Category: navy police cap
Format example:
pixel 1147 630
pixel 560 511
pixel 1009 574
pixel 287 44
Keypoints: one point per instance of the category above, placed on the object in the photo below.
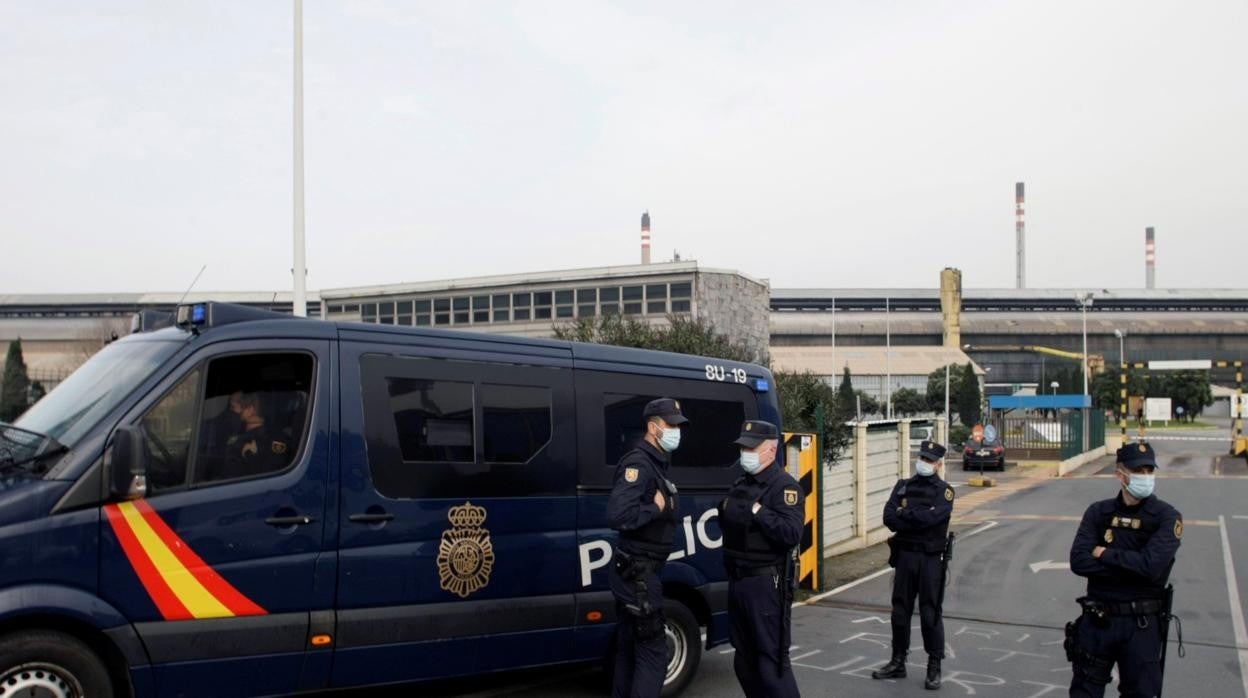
pixel 931 451
pixel 666 408
pixel 756 431
pixel 1139 455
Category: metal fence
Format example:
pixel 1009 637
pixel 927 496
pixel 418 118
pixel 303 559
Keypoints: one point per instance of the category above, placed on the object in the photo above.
pixel 1039 437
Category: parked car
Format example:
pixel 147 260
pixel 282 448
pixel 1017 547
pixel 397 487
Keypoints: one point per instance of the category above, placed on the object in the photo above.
pixel 985 455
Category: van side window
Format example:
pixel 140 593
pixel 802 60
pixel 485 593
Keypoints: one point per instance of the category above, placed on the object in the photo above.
pixel 706 442
pixel 433 419
pixel 168 428
pixel 516 421
pixel 254 415
pixel 437 427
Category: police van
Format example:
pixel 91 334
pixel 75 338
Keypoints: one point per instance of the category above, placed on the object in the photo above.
pixel 244 503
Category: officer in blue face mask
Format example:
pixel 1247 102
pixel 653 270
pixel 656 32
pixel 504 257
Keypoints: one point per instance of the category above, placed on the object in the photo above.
pixel 918 512
pixel 1125 547
pixel 762 520
pixel 643 509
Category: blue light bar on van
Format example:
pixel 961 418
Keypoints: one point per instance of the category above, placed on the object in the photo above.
pixel 761 385
pixel 192 315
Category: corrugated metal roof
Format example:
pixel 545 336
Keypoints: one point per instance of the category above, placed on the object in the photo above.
pixel 1134 323
pixel 868 361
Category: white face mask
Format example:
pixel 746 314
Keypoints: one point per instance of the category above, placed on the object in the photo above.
pixel 924 468
pixel 750 462
pixel 670 440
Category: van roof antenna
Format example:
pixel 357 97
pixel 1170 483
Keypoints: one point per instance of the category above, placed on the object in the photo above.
pixel 193 282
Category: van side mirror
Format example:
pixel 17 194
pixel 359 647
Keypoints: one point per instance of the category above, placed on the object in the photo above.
pixel 126 465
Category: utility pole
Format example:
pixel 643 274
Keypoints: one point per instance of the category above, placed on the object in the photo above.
pixel 300 269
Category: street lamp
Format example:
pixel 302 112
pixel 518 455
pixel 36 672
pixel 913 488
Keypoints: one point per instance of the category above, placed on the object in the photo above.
pixel 1054 385
pixel 1085 301
pixel 1122 357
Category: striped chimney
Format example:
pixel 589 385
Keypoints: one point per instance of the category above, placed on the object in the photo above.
pixel 1020 238
pixel 645 237
pixel 1150 259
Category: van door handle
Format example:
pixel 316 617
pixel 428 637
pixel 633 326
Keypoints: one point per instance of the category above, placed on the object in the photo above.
pixel 287 521
pixel 370 518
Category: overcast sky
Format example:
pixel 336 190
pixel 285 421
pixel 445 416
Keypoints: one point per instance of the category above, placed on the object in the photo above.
pixel 825 144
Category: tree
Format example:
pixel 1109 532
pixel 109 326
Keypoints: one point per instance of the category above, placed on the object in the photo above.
pixel 869 404
pixel 1191 391
pixel 907 401
pixel 969 398
pixel 682 336
pixel 1106 389
pixel 801 395
pixel 37 391
pixel 936 388
pixel 13 394
pixel 845 394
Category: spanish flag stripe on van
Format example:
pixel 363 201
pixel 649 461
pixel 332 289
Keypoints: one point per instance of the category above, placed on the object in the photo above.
pixel 162 596
pixel 216 585
pixel 180 584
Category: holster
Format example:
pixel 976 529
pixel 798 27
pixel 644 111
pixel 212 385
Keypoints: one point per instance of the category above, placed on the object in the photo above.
pixel 892 552
pixel 647 619
pixel 1086 665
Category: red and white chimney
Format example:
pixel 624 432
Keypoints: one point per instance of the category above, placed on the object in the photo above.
pixel 645 237
pixel 1020 238
pixel 1150 259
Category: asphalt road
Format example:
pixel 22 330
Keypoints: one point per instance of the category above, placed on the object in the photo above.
pixel 1010 595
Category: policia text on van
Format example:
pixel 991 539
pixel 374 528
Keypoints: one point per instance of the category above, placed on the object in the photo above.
pixel 248 504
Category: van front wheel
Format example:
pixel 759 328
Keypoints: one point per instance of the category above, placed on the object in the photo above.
pixel 684 647
pixel 51 664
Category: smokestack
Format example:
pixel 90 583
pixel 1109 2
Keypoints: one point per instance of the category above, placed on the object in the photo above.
pixel 1150 259
pixel 645 237
pixel 1020 237
pixel 951 306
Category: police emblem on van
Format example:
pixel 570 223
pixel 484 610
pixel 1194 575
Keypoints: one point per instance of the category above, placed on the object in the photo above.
pixel 466 555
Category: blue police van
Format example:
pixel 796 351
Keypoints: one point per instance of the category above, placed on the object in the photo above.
pixel 244 503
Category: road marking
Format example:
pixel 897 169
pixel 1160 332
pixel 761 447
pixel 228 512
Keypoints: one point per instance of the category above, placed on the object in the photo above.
pixel 805 655
pixel 1238 516
pixel 1237 611
pixel 878 573
pixel 1036 567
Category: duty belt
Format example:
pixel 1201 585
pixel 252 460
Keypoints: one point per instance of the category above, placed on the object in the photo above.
pixel 1143 607
pixel 739 573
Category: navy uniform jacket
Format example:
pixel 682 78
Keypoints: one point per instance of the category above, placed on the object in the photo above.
pixel 918 511
pixel 765 538
pixel 1140 544
pixel 644 528
pixel 252 453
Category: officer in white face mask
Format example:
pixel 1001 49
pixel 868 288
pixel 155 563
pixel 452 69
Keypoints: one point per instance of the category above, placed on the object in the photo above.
pixel 1125 548
pixel 643 509
pixel 762 519
pixel 918 513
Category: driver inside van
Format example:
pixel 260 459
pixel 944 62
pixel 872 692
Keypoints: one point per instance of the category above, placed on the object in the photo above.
pixel 249 448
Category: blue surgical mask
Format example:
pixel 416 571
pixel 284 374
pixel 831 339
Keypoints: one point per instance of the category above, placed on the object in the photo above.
pixel 750 462
pixel 670 440
pixel 924 468
pixel 1141 485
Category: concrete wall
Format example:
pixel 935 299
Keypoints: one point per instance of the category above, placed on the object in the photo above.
pixel 738 307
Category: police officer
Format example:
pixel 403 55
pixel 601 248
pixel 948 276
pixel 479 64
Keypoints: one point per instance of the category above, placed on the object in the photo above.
pixel 761 520
pixel 250 450
pixel 643 509
pixel 918 513
pixel 1125 547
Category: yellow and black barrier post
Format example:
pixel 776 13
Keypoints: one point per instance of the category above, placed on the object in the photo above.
pixel 801 453
pixel 1239 445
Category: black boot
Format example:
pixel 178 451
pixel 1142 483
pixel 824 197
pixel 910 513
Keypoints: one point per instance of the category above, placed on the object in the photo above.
pixel 895 669
pixel 933 674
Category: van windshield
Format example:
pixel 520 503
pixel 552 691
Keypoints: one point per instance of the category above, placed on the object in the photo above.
pixel 72 408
